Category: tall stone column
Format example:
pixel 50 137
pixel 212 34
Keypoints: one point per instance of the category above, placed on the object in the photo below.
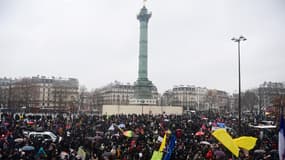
pixel 143 17
pixel 143 87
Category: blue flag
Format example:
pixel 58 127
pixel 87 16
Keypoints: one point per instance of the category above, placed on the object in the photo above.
pixel 170 147
pixel 281 139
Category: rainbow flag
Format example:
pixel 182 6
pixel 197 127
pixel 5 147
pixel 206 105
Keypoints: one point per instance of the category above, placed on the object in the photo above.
pixel 128 133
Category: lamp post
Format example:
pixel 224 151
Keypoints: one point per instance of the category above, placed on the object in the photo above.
pixel 142 103
pixel 238 40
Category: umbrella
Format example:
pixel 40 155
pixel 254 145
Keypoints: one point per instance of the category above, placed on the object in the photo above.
pixel 30 122
pixel 117 135
pixel 205 142
pixel 68 126
pixel 64 155
pixel 199 133
pixel 118 128
pixel 274 151
pixel 28 148
pixel 23 127
pixel 204 118
pixel 19 140
pixel 40 129
pixel 219 154
pixel 98 137
pixel 122 125
pixel 111 128
pixel 107 154
pixel 99 132
pixel 90 138
pixel 259 151
pixel 221 125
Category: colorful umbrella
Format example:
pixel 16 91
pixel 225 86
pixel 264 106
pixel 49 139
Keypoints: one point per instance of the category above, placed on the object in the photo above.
pixel 199 133
pixel 128 133
pixel 30 122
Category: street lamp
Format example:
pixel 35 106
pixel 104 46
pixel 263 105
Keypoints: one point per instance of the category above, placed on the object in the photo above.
pixel 238 40
pixel 142 103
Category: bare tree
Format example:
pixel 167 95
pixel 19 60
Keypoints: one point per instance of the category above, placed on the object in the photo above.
pixel 249 100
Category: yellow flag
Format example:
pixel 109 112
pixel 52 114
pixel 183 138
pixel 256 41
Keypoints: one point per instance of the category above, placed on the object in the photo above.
pixel 157 155
pixel 222 136
pixel 161 148
pixel 245 142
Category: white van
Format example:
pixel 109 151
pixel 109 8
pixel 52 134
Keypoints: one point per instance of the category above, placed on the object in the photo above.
pixel 46 136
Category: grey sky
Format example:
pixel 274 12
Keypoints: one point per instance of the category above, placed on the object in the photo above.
pixel 96 41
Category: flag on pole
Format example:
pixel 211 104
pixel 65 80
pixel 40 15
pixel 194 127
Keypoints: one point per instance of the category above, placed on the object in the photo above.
pixel 245 142
pixel 170 147
pixel 157 155
pixel 223 136
pixel 162 146
pixel 281 139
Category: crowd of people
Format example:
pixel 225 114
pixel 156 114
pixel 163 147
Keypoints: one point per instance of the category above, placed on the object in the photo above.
pixel 102 137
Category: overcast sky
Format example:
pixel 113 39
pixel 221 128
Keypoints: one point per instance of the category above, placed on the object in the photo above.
pixel 97 41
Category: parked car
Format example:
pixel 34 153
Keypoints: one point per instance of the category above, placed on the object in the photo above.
pixel 45 136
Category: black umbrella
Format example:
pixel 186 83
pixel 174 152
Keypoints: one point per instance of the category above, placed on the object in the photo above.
pixel 219 154
pixel 98 137
pixel 99 132
pixel 259 151
pixel 40 129
pixel 19 140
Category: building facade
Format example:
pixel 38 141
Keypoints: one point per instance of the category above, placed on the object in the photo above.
pixel 4 92
pixel 218 100
pixel 196 98
pixel 270 95
pixel 268 91
pixel 41 93
pixel 118 94
pixel 189 97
